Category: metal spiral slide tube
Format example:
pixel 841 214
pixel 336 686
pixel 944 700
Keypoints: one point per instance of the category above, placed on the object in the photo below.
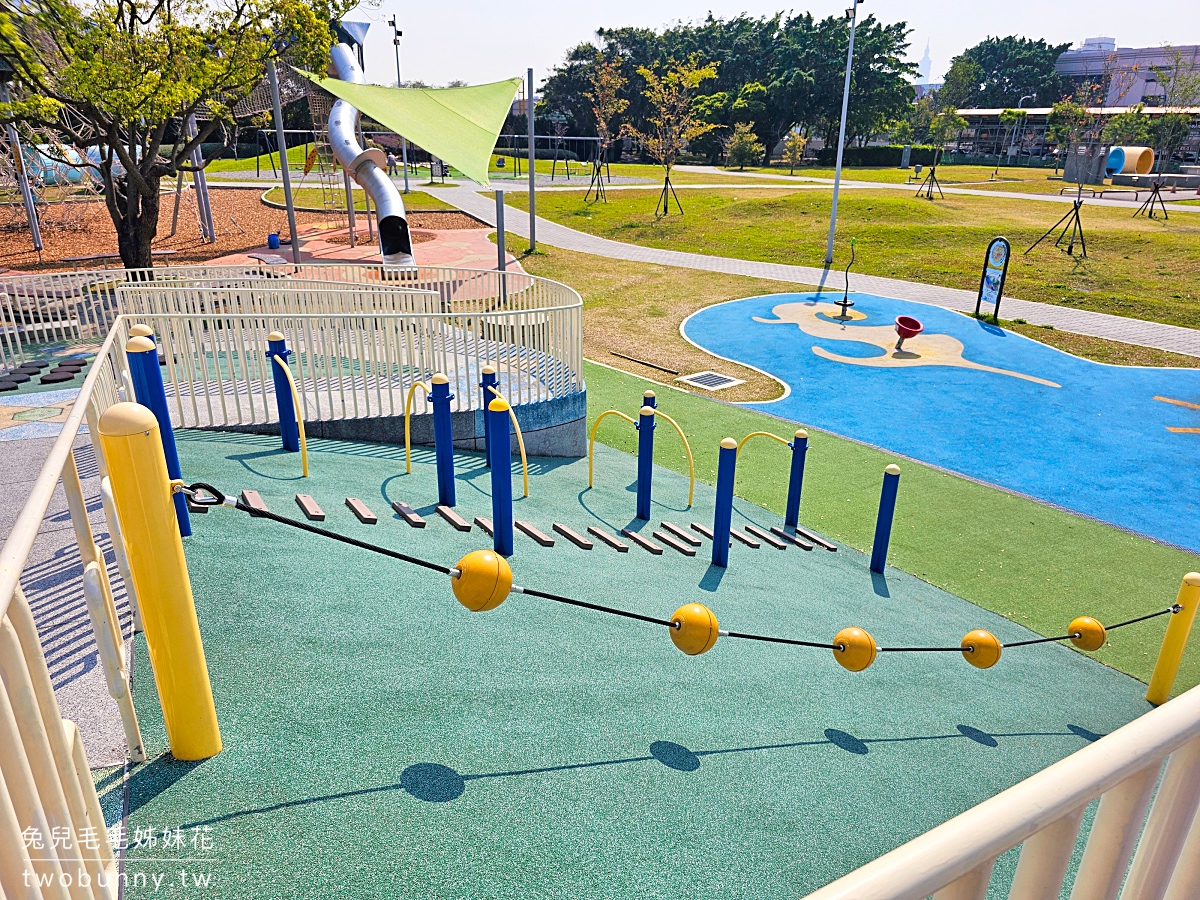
pixel 367 167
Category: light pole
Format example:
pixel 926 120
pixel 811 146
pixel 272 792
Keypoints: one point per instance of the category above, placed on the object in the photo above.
pixel 852 16
pixel 396 35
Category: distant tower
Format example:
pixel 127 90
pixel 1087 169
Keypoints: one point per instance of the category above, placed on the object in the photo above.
pixel 925 66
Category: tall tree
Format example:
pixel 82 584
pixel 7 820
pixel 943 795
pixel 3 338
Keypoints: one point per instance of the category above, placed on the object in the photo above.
pixel 1012 67
pixel 743 147
pixel 607 105
pixel 118 80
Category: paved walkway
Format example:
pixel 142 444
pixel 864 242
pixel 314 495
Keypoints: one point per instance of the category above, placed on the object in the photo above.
pixel 1101 325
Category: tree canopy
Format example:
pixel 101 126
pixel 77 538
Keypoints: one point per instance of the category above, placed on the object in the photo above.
pixel 1010 68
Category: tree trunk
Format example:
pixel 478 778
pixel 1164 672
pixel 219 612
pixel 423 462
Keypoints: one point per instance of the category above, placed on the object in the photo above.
pixel 135 217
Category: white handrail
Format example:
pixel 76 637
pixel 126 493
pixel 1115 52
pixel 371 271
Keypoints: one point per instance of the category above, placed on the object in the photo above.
pixel 974 839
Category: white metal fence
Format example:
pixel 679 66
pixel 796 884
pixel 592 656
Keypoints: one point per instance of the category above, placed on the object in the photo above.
pixel 361 332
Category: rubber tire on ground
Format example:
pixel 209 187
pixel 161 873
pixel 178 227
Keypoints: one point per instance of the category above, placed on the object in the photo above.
pixel 40 363
pixel 74 370
pixel 16 377
pixel 6 385
pixel 27 369
pixel 57 377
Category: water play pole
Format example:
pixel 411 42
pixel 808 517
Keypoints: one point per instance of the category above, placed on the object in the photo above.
pixel 443 438
pixel 799 447
pixel 488 380
pixel 645 461
pixel 500 460
pixel 289 431
pixel 149 391
pixel 723 516
pixel 883 524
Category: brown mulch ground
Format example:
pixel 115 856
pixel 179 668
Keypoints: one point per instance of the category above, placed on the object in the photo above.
pixel 242 223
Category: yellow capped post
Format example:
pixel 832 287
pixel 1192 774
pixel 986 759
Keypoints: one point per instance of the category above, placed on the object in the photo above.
pixel 142 494
pixel 1175 640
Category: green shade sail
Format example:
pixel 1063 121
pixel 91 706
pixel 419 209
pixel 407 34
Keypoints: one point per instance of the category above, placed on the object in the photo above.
pixel 457 125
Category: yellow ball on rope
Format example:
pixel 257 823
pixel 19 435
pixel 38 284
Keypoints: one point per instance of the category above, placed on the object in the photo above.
pixel 981 648
pixel 854 649
pixel 483 581
pixel 695 629
pixel 1086 633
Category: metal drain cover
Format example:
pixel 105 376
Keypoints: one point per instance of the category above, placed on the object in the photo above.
pixel 710 381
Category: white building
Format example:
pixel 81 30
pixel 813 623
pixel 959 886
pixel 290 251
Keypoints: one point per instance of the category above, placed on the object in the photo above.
pixel 1130 75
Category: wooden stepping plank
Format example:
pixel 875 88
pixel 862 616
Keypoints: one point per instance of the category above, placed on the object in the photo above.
pixel 486 525
pixel 542 538
pixel 601 534
pixel 766 537
pixel 707 532
pixel 459 523
pixel 642 542
pixel 253 500
pixel 744 538
pixel 790 538
pixel 360 509
pixel 815 538
pixel 408 514
pixel 685 549
pixel 680 533
pixel 577 539
pixel 309 507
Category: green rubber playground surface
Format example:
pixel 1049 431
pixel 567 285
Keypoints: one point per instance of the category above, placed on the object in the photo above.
pixel 381 740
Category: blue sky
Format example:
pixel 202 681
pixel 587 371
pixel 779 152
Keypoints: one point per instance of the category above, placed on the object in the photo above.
pixel 486 40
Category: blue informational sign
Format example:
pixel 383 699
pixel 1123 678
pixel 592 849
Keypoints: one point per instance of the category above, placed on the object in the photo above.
pixel 995 270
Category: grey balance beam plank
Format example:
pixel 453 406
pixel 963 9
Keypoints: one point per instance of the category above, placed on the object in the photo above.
pixel 486 525
pixel 642 542
pixel 191 507
pixel 766 537
pixel 408 514
pixel 361 511
pixel 680 546
pixel 790 538
pixel 815 538
pixel 309 507
pixel 577 539
pixel 680 533
pixel 459 523
pixel 254 500
pixel 542 538
pixel 602 535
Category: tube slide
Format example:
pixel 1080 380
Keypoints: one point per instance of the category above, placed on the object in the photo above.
pixel 368 167
pixel 1129 161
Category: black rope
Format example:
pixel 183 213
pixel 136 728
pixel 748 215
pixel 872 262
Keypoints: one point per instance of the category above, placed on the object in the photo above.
pixel 1045 640
pixel 923 649
pixel 324 532
pixel 1161 612
pixel 775 640
pixel 604 609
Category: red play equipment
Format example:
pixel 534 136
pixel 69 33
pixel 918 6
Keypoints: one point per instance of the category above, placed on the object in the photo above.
pixel 906 327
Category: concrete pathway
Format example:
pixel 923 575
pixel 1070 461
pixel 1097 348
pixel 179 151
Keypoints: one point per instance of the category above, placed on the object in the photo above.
pixel 1115 328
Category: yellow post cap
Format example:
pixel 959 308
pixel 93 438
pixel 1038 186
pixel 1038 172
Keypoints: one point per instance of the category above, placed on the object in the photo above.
pixel 126 419
pixel 981 648
pixel 139 345
pixel 1192 578
pixel 275 336
pixel 488 370
pixel 141 330
pixel 1086 633
pixel 854 649
pixel 646 411
pixel 695 629
pixel 728 443
pixel 893 469
pixel 801 433
pixel 648 394
pixel 498 405
pixel 439 378
pixel 483 581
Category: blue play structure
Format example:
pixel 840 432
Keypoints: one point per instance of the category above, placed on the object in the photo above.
pixel 1118 443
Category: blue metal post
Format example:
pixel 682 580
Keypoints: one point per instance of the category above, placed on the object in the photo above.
pixel 723 516
pixel 799 445
pixel 645 470
pixel 443 438
pixel 488 379
pixel 883 525
pixel 500 457
pixel 148 389
pixel 289 432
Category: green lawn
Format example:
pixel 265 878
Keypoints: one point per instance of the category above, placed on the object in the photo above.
pixel 1031 563
pixel 1148 269
pixel 296 157
pixel 414 201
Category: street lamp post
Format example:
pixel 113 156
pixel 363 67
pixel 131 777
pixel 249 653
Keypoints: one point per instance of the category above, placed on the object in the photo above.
pixel 852 16
pixel 396 35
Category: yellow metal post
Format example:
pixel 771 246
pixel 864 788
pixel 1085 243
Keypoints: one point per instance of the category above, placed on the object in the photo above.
pixel 1175 640
pixel 142 494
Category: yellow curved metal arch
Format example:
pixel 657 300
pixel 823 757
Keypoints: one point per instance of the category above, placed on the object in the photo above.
pixel 408 415
pixel 520 438
pixel 688 448
pixel 595 428
pixel 299 416
pixel 765 434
